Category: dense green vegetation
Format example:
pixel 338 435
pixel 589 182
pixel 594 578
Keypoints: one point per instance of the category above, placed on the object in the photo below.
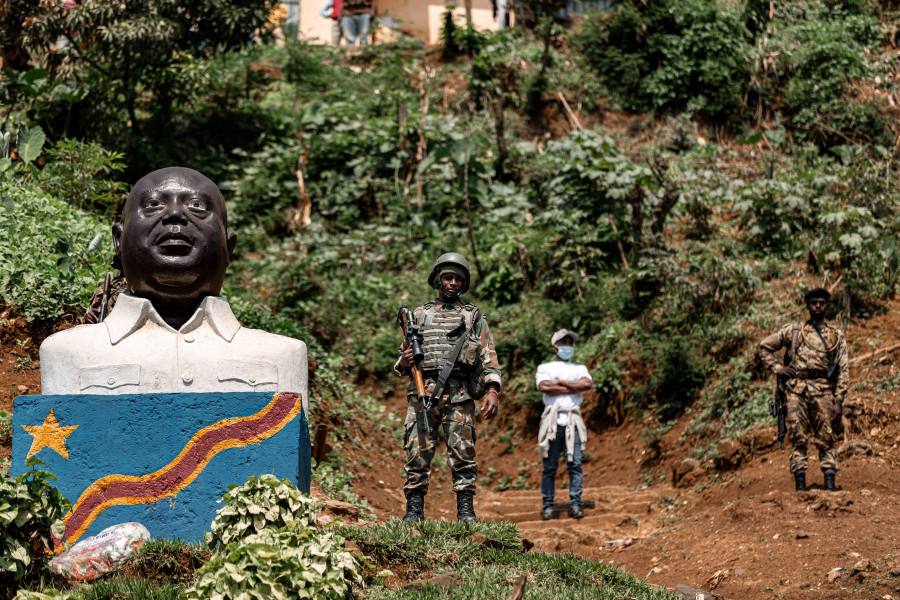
pixel 346 175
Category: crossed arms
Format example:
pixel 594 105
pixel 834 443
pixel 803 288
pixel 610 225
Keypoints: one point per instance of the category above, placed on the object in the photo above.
pixel 559 388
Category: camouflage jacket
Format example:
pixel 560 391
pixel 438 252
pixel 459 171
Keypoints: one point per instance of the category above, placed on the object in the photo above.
pixel 456 386
pixel 810 355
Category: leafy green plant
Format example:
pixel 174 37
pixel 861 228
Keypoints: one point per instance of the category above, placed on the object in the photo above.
pixel 809 66
pixel 607 377
pixel 48 594
pixel 31 511
pixel 677 376
pixel 296 562
pixel 670 55
pixel 261 502
pixel 84 175
pixel 50 252
pixel 5 425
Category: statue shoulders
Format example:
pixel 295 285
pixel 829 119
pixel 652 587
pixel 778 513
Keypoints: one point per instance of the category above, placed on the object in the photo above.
pixel 74 339
pixel 269 340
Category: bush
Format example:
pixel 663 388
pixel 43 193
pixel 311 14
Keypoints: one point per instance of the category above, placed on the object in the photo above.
pixel 670 55
pixel 807 69
pixel 294 562
pixel 31 511
pixel 262 502
pixel 677 376
pixel 51 256
pixel 84 175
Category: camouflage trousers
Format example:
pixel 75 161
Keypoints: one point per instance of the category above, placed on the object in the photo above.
pixel 809 420
pixel 458 423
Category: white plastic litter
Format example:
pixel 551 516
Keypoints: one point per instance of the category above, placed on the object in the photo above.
pixel 92 557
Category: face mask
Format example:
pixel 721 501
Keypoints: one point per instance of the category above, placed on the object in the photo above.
pixel 565 352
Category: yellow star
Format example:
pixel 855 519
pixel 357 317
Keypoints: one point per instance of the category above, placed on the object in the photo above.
pixel 49 435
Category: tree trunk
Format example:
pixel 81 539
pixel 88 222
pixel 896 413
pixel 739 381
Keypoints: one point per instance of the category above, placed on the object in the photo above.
pixel 499 106
pixel 661 212
pixel 636 200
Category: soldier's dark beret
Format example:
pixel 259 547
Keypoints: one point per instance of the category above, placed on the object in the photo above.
pixel 818 292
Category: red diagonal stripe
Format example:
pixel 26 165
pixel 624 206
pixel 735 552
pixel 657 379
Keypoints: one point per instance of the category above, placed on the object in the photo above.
pixel 175 474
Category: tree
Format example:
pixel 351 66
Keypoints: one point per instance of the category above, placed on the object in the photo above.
pixel 134 60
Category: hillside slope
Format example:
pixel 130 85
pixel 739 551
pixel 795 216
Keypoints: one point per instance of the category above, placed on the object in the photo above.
pixel 733 525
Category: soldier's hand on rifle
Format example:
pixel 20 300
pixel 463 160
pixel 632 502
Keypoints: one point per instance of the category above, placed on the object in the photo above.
pixel 789 372
pixel 406 358
pixel 491 403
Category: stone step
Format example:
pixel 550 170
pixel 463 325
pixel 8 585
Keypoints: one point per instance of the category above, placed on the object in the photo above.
pixel 606 494
pixel 516 511
pixel 606 522
pixel 507 509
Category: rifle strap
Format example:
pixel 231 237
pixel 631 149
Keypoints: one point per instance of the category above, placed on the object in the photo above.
pixel 451 361
pixel 795 331
pixel 825 345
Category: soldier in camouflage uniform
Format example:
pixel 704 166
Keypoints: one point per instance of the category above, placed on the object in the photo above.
pixel 117 285
pixel 455 409
pixel 813 401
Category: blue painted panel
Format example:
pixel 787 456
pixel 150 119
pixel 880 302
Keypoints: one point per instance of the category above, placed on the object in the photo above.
pixel 139 434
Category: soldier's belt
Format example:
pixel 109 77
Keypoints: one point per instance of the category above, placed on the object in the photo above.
pixel 812 374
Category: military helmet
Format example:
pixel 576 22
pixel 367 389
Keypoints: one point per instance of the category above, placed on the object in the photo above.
pixel 454 259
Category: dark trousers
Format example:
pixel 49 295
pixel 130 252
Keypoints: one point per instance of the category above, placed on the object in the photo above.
pixel 551 463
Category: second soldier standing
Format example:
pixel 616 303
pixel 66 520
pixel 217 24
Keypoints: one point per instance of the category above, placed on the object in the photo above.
pixel 454 409
pixel 814 402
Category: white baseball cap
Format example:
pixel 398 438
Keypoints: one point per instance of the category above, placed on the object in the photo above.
pixel 561 334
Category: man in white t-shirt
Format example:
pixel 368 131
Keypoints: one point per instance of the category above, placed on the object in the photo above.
pixel 562 428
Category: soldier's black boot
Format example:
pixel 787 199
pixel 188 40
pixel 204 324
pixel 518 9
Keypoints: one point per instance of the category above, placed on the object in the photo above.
pixel 829 480
pixel 800 480
pixel 465 506
pixel 415 506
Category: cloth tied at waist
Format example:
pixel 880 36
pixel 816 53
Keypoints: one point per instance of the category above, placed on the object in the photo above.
pixel 547 431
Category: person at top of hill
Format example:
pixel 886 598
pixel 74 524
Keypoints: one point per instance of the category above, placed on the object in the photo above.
pixel 475 375
pixel 814 402
pixel 562 428
pixel 356 18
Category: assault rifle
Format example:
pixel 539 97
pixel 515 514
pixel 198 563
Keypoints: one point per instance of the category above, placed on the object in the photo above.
pixel 412 338
pixel 778 409
pixel 104 299
pixel 832 373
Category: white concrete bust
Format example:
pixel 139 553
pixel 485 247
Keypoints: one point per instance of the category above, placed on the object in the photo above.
pixel 171 332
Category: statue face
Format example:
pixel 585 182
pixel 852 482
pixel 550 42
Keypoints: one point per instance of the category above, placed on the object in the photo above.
pixel 172 240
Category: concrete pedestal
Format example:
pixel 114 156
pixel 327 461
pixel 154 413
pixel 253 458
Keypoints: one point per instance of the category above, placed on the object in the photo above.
pixel 163 460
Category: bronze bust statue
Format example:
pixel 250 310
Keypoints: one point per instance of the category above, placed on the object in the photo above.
pixel 170 331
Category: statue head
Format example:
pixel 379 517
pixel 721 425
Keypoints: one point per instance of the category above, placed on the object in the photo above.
pixel 173 241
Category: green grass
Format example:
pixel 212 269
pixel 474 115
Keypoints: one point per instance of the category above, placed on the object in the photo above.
pixel 121 588
pixel 168 561
pixel 488 570
pixel 115 588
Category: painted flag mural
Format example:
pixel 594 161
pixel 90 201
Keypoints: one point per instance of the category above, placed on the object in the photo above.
pixel 163 460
